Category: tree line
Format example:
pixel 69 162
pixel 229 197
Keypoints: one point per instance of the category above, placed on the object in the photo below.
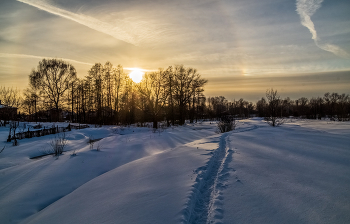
pixel 107 95
pixel 332 105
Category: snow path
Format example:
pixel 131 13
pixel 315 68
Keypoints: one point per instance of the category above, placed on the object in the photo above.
pixel 204 205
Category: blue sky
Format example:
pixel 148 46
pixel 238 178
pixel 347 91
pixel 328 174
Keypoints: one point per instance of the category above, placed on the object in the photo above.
pixel 238 45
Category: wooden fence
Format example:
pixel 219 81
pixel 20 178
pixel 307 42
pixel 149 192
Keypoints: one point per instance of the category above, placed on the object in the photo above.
pixel 45 131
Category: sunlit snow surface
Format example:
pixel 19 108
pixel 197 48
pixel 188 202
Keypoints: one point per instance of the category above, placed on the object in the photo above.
pixel 296 173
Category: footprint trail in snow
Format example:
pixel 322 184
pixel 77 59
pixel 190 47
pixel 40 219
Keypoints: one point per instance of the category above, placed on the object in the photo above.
pixel 206 200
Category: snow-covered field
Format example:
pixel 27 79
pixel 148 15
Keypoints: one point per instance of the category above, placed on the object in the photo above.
pixel 296 173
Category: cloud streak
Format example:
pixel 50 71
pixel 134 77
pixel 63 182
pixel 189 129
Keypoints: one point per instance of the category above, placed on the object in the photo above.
pixel 26 56
pixel 132 30
pixel 305 9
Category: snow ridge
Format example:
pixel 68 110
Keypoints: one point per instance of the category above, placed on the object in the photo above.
pixel 205 202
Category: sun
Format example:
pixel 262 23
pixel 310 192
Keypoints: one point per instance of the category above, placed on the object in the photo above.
pixel 136 74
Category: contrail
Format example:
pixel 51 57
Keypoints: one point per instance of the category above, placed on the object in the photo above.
pixel 130 30
pixel 305 9
pixel 6 55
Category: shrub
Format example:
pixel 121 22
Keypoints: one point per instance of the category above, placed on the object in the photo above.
pixel 274 121
pixel 91 142
pixel 226 124
pixel 58 144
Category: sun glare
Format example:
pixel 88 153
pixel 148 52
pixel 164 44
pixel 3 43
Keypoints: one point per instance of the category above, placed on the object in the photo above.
pixel 136 75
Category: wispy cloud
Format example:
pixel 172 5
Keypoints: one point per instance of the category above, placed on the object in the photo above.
pixel 131 30
pixel 6 55
pixel 306 8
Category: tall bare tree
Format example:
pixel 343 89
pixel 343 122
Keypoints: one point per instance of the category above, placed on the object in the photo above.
pixel 153 89
pixel 169 84
pixel 96 77
pixel 118 76
pixel 187 80
pixel 52 78
pixel 30 102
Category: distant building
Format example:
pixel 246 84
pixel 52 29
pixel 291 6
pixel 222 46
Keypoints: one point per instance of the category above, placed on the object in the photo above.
pixel 7 112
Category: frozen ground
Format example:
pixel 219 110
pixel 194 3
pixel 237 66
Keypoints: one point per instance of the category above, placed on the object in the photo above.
pixel 295 173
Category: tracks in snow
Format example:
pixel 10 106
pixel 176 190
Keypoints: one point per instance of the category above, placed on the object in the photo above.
pixel 206 200
pixel 241 129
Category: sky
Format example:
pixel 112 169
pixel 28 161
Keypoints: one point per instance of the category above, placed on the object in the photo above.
pixel 243 47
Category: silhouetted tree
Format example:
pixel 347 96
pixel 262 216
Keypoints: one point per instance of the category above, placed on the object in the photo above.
pixel 11 99
pixel 52 78
pixel 273 106
pixel 186 82
pixel 343 102
pixel 30 102
pixel 152 88
pixel 118 76
pixel 261 107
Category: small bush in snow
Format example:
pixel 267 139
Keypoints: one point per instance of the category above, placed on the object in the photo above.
pixel 91 142
pixel 58 144
pixel 226 124
pixel 12 132
pixel 98 148
pixel 274 121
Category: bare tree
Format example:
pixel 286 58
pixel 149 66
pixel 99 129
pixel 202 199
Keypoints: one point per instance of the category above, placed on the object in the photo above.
pixel 196 89
pixel 315 105
pixel 169 83
pixel 273 105
pixel 302 106
pixel 108 86
pixel 153 89
pixel 96 75
pixel 10 99
pixel 53 77
pixel 30 102
pixel 261 106
pixel 10 96
pixel 118 76
pixel 331 101
pixel 343 100
pixel 187 80
pixel 286 105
